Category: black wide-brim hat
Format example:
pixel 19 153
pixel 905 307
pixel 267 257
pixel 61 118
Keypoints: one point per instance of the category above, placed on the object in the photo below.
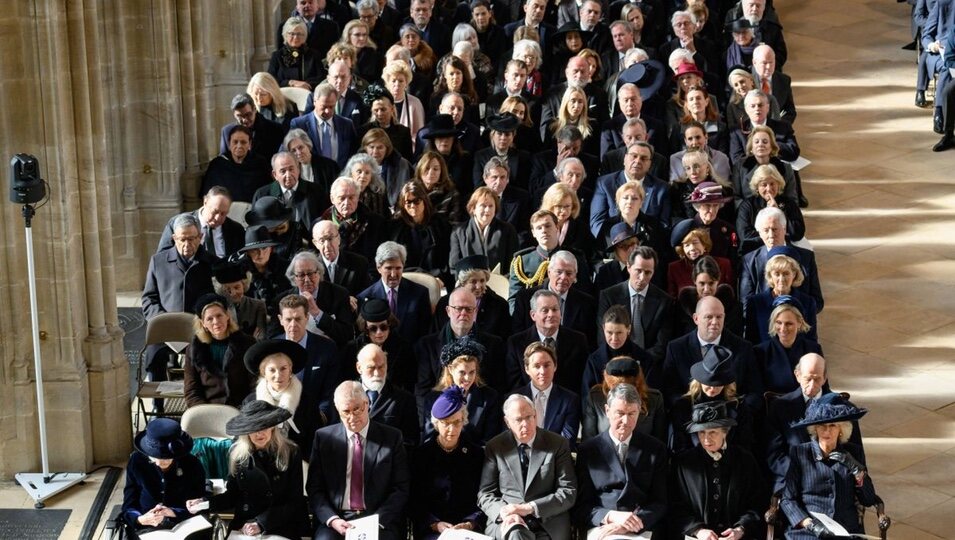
pixel 441 125
pixel 258 352
pixel 828 409
pixel 503 123
pixel 257 237
pixel 227 272
pixel 255 416
pixel 566 28
pixel 716 368
pixel 268 211
pixel 649 76
pixel 163 438
pixel 473 262
pixel 709 415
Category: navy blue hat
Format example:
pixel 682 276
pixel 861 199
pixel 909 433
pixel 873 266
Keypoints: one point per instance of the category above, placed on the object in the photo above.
pixel 619 233
pixel 463 346
pixel 449 402
pixel 683 228
pixel 473 262
pixel 623 366
pixel 709 415
pixel 788 251
pixel 209 299
pixel 787 299
pixel 716 368
pixel 163 438
pixel 503 123
pixel 266 347
pixel 649 76
pixel 830 408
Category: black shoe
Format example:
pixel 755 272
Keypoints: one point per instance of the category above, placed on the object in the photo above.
pixel 920 98
pixel 938 125
pixel 910 46
pixel 948 141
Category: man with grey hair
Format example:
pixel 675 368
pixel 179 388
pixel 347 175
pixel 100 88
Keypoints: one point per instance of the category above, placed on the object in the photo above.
pixel 361 229
pixel 358 467
pixel 329 311
pixel 569 344
pixel 323 20
pixel 705 52
pixel 570 144
pixel 381 29
pixel 626 499
pixel 177 277
pixel 578 310
pixel 629 106
pixel 408 301
pixel 756 105
pixel 306 199
pixel 521 498
pixel 345 268
pixel 388 403
pixel 333 135
pixel 221 236
pixel 266 135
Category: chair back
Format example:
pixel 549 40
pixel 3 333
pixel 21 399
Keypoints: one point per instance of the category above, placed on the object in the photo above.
pixel 430 282
pixel 237 212
pixel 499 285
pixel 298 96
pixel 173 329
pixel 208 420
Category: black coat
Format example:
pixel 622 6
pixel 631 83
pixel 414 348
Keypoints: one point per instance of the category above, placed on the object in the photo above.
pixel 685 351
pixel 485 416
pixel 241 179
pixel 352 272
pixel 428 354
pixel 657 319
pixel 266 137
pixel 402 370
pixel 304 66
pixel 338 320
pixel 594 421
pixel 444 486
pixel 147 485
pixel 172 286
pixel 396 408
pixel 308 201
pixel 233 235
pixel 280 509
pixel 207 382
pixel 571 350
pixel 682 412
pixel 579 312
pixel 499 248
pixel 267 286
pixel 697 501
pixel 518 164
pixel 493 316
pixel 427 245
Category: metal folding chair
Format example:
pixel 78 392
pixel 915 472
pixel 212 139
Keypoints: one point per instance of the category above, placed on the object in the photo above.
pixel 175 330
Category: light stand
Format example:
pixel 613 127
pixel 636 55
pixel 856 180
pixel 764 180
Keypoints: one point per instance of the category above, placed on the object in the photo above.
pixel 27 187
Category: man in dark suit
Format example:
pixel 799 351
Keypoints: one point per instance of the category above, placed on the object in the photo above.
pixel 320 375
pixel 621 33
pixel 360 228
pixel 332 135
pixel 432 31
pixel 519 495
pixel 359 467
pixel 577 72
pixel 812 374
pixel 570 345
pixel 329 310
pixel 534 11
pixel 710 337
pixel 493 315
pixel 304 198
pixel 469 135
pixel 410 302
pixel 634 130
pixel 513 84
pixel 461 312
pixel 757 110
pixel 501 130
pixel 266 136
pixel 771 225
pixel 577 309
pixel 772 82
pixel 221 236
pixel 636 163
pixel 768 30
pixel 177 277
pixel 350 104
pixel 557 408
pixel 622 473
pixel 515 202
pixel 630 105
pixel 323 31
pixel 569 144
pixel 653 310
pixel 388 404
pixel 344 268
pixel 705 53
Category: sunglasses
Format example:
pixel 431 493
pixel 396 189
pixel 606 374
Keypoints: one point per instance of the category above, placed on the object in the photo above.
pixel 374 328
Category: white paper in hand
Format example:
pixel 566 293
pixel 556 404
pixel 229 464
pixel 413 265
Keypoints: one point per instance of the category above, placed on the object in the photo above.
pixel 461 534
pixel 365 528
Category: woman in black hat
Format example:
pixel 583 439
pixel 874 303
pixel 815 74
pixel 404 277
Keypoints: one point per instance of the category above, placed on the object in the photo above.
pixel 712 381
pixel 274 363
pixel 623 369
pixel 213 368
pixel 286 233
pixel 267 267
pixel 265 484
pixel 423 231
pixel 442 137
pixel 717 491
pixel 824 475
pixel 232 281
pixel 385 117
pixel 567 42
pixel 161 476
pixel 446 472
pixel 377 325
pixel 461 361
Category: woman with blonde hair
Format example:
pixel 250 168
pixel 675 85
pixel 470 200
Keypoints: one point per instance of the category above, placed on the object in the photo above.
pixel 397 76
pixel 788 341
pixel 368 59
pixel 395 169
pixel 269 101
pixel 768 188
pixel 213 368
pixel 741 81
pixel 573 233
pixel 783 275
pixel 573 112
pixel 762 149
pixel 460 366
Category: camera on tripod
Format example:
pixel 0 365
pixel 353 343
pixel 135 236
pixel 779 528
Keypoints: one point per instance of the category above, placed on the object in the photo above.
pixel 26 186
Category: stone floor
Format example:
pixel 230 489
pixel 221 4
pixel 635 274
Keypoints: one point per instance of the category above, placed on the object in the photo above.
pixel 882 211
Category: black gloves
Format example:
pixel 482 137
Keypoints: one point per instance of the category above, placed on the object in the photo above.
pixel 850 462
pixel 818 529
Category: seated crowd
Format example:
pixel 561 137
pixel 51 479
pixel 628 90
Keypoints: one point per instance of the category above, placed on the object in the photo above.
pixel 627 343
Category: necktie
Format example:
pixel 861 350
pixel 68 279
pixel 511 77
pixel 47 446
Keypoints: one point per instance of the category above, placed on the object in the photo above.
pixel 562 301
pixel 622 453
pixel 540 405
pixel 288 198
pixel 331 272
pixel 525 460
pixel 372 397
pixel 636 331
pixel 393 301
pixel 765 87
pixel 705 349
pixel 326 141
pixel 356 497
pixel 207 240
pixel 549 341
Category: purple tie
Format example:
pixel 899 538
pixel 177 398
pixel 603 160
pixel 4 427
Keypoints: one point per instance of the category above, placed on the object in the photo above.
pixel 392 300
pixel 356 499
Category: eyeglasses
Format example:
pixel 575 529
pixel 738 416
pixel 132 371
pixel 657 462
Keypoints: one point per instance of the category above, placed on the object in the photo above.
pixel 295 34
pixel 303 275
pixel 375 328
pixel 463 309
pixel 412 202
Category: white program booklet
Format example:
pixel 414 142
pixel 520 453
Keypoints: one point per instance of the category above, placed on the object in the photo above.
pixel 838 529
pixel 236 535
pixel 365 528
pixel 461 534
pixel 180 531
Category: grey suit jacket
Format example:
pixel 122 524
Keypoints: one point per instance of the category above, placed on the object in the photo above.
pixel 551 482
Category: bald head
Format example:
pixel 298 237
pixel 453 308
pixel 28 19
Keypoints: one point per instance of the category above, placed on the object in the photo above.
pixel 764 61
pixel 811 373
pixel 709 318
pixel 577 72
pixel 372 366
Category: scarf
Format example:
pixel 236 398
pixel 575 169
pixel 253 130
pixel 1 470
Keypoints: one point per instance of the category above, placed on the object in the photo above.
pixel 288 399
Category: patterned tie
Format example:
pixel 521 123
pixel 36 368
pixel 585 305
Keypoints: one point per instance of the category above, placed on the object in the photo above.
pixel 622 453
pixel 549 341
pixel 326 141
pixel 393 300
pixel 356 498
pixel 636 331
pixel 525 460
